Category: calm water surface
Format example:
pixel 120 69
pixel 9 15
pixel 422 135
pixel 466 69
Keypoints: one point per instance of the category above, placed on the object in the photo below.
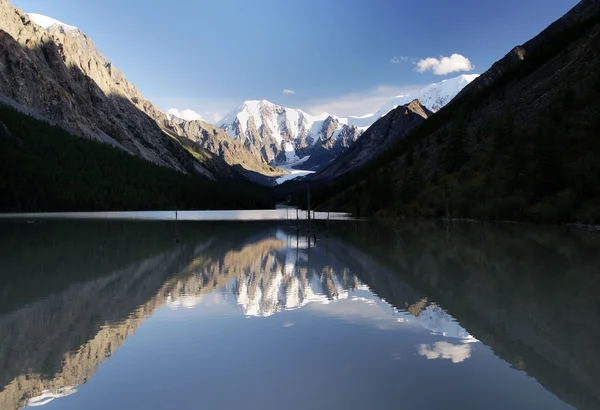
pixel 114 314
pixel 280 214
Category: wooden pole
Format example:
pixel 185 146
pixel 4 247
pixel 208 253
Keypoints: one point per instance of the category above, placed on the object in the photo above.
pixel 308 206
pixel 308 201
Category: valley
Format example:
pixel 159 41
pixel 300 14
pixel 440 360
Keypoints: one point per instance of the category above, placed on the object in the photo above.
pixel 281 205
pixel 444 150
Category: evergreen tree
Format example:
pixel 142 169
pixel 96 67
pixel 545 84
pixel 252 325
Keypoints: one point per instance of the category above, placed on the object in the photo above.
pixel 456 155
pixel 549 172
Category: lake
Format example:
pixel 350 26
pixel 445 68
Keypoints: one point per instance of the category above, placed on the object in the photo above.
pixel 123 313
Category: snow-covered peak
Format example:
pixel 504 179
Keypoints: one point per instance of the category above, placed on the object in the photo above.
pixel 433 96
pixel 47 22
pixel 255 109
pixel 390 105
pixel 281 134
pixel 187 115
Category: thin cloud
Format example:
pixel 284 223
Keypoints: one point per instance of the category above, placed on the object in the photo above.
pixel 444 65
pixel 289 92
pixel 399 59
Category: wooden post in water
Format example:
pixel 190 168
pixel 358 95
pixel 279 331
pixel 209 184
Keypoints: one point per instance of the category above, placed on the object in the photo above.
pixel 176 229
pixel 308 206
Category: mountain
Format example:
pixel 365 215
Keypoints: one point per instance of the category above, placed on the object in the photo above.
pixel 57 71
pixel 216 141
pixel 520 142
pixel 199 132
pixel 49 23
pixel 55 74
pixel 433 97
pixel 280 135
pixel 376 139
pixel 43 168
pixel 187 115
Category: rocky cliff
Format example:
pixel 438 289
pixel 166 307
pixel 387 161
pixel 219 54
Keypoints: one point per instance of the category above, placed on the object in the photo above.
pixel 281 135
pixel 216 141
pixel 378 138
pixel 57 73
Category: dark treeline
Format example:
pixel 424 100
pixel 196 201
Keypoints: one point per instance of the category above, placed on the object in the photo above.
pixel 44 168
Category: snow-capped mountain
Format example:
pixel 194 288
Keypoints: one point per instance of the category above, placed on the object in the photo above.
pixel 187 115
pixel 282 135
pixel 434 97
pixel 49 23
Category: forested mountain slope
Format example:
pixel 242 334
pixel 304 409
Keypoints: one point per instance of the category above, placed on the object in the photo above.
pixel 521 142
pixel 44 168
pixel 56 72
pixel 376 139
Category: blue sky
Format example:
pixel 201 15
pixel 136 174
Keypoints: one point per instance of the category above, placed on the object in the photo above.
pixel 335 55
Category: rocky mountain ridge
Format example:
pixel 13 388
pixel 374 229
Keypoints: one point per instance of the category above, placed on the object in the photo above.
pixel 376 139
pixel 281 135
pixel 434 97
pixel 55 71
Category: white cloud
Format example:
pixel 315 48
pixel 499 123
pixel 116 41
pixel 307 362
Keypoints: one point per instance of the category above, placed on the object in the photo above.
pixel 358 103
pixel 444 65
pixel 289 92
pixel 188 115
pixel 445 350
pixel 399 59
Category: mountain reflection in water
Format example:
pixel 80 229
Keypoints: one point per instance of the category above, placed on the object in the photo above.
pixel 73 292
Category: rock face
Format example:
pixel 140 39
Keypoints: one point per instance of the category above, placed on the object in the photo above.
pixel 379 137
pixel 280 135
pixel 215 140
pixel 55 71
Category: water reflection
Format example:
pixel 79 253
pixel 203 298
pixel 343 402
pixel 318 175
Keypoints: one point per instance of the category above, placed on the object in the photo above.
pixel 529 294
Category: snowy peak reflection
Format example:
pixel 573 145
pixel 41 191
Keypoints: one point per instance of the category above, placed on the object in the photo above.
pixel 268 275
pixel 287 280
pixel 436 319
pixel 281 272
pixel 48 395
